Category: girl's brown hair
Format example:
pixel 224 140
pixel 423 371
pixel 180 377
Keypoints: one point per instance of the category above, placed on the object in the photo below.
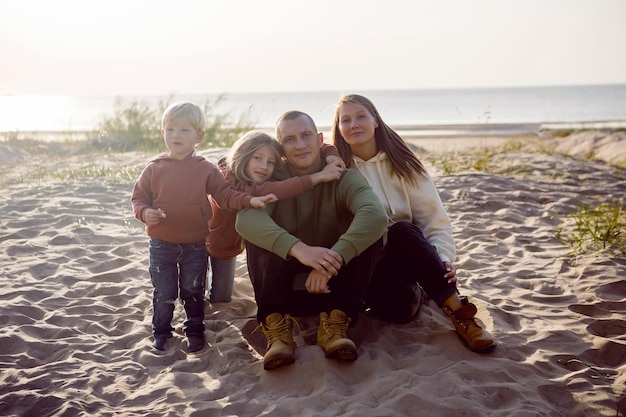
pixel 244 148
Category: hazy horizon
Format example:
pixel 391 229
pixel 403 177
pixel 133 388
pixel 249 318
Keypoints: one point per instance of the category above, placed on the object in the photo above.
pixel 411 107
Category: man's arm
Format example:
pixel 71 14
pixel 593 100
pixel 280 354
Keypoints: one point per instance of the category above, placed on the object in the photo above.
pixel 257 227
pixel 370 219
pixel 367 225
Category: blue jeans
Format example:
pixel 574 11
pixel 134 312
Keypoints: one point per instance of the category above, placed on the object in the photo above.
pixel 174 266
pixel 222 277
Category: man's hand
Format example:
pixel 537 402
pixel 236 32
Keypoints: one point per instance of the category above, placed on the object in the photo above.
pixel 322 260
pixel 260 202
pixel 152 216
pixel 317 282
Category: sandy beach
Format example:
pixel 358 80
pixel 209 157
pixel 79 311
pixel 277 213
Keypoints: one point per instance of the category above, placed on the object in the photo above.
pixel 75 301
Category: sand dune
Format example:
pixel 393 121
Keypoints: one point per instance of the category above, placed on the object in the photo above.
pixel 75 304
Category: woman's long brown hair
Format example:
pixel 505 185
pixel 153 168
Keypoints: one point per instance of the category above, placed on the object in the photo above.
pixel 403 161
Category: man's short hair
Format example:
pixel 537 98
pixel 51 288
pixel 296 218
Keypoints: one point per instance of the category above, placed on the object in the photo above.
pixel 293 115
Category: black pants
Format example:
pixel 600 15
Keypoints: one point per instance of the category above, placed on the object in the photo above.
pixel 273 281
pixel 408 264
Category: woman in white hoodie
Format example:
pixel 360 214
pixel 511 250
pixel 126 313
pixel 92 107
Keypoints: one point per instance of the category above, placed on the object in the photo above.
pixel 419 244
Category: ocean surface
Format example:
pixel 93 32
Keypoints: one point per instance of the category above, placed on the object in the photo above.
pixel 420 110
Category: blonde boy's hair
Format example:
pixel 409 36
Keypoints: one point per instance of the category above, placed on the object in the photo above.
pixel 243 150
pixel 187 111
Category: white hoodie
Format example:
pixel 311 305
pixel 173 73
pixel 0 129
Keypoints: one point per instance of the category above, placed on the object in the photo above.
pixel 419 204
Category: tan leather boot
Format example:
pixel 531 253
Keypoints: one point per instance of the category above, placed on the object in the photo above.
pixel 331 336
pixel 477 339
pixel 280 343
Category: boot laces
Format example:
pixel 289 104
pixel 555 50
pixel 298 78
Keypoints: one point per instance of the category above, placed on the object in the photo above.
pixel 464 322
pixel 280 331
pixel 336 328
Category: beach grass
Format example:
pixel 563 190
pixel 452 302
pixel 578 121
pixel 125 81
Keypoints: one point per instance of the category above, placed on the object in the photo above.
pixel 597 226
pixel 136 126
pixel 593 226
pixel 109 167
pixel 486 158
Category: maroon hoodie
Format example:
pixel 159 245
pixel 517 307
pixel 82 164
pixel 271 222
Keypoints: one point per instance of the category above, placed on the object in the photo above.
pixel 181 189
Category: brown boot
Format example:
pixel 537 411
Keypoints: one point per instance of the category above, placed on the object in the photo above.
pixel 477 339
pixel 280 343
pixel 331 336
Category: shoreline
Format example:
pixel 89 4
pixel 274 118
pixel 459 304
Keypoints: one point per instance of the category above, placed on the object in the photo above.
pixel 407 131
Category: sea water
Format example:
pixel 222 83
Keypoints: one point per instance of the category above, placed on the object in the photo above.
pixel 413 109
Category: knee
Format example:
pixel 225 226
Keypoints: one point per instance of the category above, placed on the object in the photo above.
pixel 164 299
pixel 406 230
pixel 397 313
pixel 395 304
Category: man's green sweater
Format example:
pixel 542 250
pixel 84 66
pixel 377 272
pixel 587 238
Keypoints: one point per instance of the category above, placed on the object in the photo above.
pixel 345 216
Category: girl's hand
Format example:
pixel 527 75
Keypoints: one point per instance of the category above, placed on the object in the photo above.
pixel 336 160
pixel 260 202
pixel 331 172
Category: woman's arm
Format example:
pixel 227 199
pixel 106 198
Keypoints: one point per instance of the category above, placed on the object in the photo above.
pixel 431 217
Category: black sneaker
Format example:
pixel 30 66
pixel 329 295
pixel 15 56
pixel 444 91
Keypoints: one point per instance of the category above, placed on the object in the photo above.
pixel 159 342
pixel 196 343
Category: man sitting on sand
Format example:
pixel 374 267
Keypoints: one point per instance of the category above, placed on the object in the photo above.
pixel 329 236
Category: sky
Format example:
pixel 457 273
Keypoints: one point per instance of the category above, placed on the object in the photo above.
pixel 156 47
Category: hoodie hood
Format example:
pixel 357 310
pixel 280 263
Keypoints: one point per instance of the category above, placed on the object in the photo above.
pixel 390 188
pixel 167 157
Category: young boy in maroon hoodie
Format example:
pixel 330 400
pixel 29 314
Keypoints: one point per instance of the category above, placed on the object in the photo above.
pixel 171 198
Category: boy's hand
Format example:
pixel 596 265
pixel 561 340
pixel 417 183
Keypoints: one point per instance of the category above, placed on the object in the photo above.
pixel 152 216
pixel 260 202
